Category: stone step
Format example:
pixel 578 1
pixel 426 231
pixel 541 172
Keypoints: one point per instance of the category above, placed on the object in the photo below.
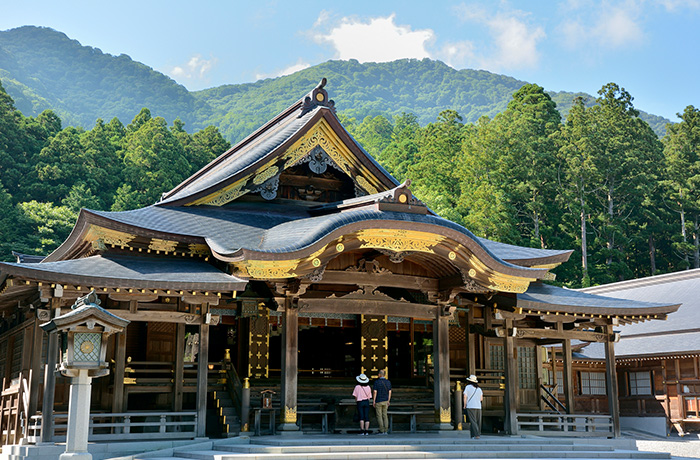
pixel 406 448
pixel 408 455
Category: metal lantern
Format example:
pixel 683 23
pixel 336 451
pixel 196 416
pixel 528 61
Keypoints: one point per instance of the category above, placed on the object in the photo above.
pixel 84 331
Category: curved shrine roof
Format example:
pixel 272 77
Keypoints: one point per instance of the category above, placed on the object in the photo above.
pixel 544 297
pixel 138 272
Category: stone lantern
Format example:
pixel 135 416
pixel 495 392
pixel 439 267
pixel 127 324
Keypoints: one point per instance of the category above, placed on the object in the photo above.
pixel 83 336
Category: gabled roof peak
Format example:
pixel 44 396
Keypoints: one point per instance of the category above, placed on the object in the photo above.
pixel 398 199
pixel 317 97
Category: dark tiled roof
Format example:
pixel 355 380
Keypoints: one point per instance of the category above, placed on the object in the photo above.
pixel 641 346
pixel 544 297
pixel 135 272
pixel 27 258
pixel 680 288
pixel 519 254
pixel 266 227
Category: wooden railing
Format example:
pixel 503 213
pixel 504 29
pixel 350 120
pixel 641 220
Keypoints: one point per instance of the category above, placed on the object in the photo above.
pixel 14 406
pixel 116 426
pixel 576 425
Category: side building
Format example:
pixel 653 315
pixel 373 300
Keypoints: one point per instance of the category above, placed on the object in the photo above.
pixel 658 361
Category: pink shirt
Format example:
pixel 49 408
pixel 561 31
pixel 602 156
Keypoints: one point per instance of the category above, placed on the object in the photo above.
pixel 362 393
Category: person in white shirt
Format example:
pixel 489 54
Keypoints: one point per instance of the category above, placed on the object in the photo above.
pixel 472 405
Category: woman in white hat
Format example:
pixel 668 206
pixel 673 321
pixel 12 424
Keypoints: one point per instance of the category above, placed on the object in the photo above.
pixel 363 394
pixel 472 405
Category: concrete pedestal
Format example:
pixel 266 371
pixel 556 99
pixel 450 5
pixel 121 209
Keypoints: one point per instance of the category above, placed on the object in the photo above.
pixel 78 418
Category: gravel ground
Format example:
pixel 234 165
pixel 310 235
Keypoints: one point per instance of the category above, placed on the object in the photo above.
pixel 677 447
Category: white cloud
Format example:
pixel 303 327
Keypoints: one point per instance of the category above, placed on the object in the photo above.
pixel 593 25
pixel 195 69
pixel 515 40
pixel 617 26
pixel 457 54
pixel 379 40
pixel 675 5
pixel 300 65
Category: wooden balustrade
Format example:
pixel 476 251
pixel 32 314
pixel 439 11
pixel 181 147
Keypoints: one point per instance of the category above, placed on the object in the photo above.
pixel 115 426
pixel 576 425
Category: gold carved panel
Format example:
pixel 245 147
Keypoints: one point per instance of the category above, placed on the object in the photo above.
pixel 399 240
pixel 373 344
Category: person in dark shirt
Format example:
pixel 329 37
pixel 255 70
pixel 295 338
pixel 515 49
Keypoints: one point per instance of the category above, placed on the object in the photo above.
pixel 380 401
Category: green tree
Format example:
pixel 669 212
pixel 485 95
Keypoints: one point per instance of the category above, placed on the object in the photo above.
pixel 154 162
pixel 48 225
pixel 401 152
pixel 435 178
pixel 374 134
pixel 682 172
pixel 627 162
pixel 206 145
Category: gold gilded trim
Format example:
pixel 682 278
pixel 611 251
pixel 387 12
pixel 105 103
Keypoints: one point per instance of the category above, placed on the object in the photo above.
pixel 267 269
pixel 264 175
pixel 444 415
pixel 198 249
pixel 362 182
pixel 225 195
pixel 109 236
pixel 290 415
pixel 399 240
pixel 320 135
pixel 162 245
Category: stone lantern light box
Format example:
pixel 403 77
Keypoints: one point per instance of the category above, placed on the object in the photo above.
pixel 84 331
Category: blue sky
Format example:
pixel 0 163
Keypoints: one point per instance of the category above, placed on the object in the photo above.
pixel 649 47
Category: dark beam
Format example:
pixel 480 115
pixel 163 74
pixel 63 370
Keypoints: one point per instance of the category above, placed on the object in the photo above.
pixel 160 316
pixel 372 279
pixel 368 307
pixel 584 336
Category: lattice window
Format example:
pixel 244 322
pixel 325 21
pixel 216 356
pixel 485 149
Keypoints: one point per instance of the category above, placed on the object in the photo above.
pixel 527 368
pixel 559 382
pixel 593 383
pixel 640 383
pixel 497 359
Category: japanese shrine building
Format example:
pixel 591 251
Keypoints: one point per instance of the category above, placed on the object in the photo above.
pixel 296 254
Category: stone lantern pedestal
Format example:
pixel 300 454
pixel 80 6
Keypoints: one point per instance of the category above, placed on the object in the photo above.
pixel 83 334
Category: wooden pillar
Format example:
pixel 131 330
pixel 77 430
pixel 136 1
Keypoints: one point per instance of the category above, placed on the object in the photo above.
pixel 568 376
pixel 511 374
pixel 290 358
pixel 441 375
pixel 611 380
pixel 412 333
pixel 119 372
pixel 202 374
pixel 47 419
pixel 471 344
pixel 179 366
pixel 35 365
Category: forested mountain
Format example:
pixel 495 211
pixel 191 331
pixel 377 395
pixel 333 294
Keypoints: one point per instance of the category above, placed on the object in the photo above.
pixel 44 69
pixel 599 180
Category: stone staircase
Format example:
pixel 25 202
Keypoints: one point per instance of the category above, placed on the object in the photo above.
pixel 228 417
pixel 451 445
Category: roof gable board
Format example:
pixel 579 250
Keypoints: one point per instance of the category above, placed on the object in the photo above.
pixel 307 132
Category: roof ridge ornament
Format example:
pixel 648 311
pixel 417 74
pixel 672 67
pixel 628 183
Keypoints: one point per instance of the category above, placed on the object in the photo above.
pixel 317 97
